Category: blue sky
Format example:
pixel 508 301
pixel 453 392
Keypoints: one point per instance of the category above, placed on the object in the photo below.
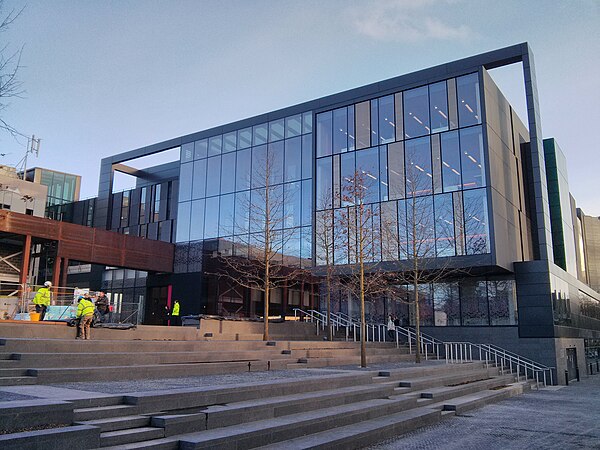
pixel 104 77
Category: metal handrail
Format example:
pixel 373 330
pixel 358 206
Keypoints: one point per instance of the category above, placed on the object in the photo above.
pixel 460 352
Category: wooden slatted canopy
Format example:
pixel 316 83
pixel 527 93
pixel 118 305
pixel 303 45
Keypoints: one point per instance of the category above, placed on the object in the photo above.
pixel 92 245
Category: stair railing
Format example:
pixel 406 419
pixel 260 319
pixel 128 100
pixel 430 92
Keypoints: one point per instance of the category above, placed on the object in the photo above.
pixel 429 344
pixel 461 352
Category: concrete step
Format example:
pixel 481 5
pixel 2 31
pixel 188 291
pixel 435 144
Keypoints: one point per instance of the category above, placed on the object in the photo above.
pixel 170 443
pixel 362 434
pixel 17 381
pixel 13 372
pixel 445 392
pixel 467 402
pixel 264 432
pixel 444 380
pixel 111 438
pixel 117 423
pixel 103 412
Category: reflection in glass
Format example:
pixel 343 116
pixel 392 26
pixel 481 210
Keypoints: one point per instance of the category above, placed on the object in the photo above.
pixel 259 160
pixel 383 171
pixel 183 222
pixel 307 207
pixel 396 170
pixel 307 156
pixel 363 125
pixel 229 142
pixel 228 173
pixel 451 178
pixel 444 225
pixel 201 149
pixel 324 133
pixel 340 130
pixel 374 122
pixel 215 144
pixel 275 162
pixel 307 124
pixel 242 212
pixel 226 216
pixel 446 304
pixel 389 227
pixel 293 159
pixel 387 125
pixel 276 130
pixel 472 159
pixel 367 166
pixel 476 222
pixel 244 138
pixel 306 246
pixel 469 105
pixel 418 167
pixel 259 133
pixel 213 176
pixel 199 190
pixel 187 152
pixel 351 124
pixel 438 107
pixel 242 172
pixel 502 301
pixel 324 184
pixel 185 182
pixel 211 220
pixel 197 220
pixel 293 126
pixel 416 112
pixel 292 205
pixel 474 302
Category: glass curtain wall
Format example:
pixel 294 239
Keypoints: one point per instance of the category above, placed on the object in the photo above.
pixel 420 153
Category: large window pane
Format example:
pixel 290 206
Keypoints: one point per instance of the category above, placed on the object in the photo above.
pixel 307 156
pixel 420 227
pixel 416 112
pixel 228 173
pixel 292 205
pixel 226 217
pixel 211 219
pixel 183 222
pixel 324 184
pixel 199 189
pixel 444 225
pixel 446 304
pixel 402 230
pixel 293 126
pixel 307 124
pixel 438 107
pixel 242 212
pixel 242 172
pixel 340 130
pixel 306 246
pixel 476 222
pixel 213 176
pixel 245 138
pixel 367 166
pixel 387 124
pixel 351 124
pixel 389 231
pixel 275 162
pixel 474 306
pixel 363 125
pixel 230 142
pixel 472 159
pixel 293 159
pixel 259 161
pixel 276 130
pixel 418 167
pixel 469 105
pixel 324 133
pixel 374 122
pixel 383 171
pixel 259 134
pixel 451 178
pixel 186 153
pixel 185 182
pixel 307 202
pixel 347 172
pixel 396 171
pixel 197 220
pixel 201 149
pixel 215 145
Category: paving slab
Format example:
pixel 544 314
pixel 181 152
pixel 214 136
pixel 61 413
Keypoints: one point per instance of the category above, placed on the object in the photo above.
pixel 556 418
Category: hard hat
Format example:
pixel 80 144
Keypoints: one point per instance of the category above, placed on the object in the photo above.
pixel 48 284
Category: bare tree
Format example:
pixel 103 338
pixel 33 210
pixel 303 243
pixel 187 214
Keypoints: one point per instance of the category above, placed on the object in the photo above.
pixel 259 258
pixel 10 63
pixel 359 223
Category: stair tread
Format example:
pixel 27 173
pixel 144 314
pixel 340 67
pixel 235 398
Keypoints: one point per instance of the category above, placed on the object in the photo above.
pixel 111 420
pixel 105 408
pixel 130 431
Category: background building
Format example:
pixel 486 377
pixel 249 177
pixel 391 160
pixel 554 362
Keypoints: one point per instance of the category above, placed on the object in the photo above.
pixel 493 199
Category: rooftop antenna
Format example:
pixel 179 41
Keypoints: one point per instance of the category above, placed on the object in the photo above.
pixel 33 147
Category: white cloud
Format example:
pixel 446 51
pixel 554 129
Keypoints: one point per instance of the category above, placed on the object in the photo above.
pixel 406 21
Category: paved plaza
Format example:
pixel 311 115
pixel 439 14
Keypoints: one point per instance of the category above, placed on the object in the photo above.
pixel 557 417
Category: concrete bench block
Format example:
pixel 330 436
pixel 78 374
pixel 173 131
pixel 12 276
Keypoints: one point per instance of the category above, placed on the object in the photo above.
pixel 32 413
pixel 79 437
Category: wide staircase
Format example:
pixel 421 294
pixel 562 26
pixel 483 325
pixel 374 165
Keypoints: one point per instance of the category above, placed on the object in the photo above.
pixel 344 409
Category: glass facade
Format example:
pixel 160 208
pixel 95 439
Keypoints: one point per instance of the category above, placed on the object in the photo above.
pixel 225 181
pixel 421 158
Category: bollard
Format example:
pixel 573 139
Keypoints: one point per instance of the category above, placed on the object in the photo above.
pixel 566 377
pixel 577 374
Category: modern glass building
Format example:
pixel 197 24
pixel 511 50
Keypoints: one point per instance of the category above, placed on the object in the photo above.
pixel 494 212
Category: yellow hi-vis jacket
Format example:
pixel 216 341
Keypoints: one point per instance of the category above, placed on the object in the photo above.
pixel 42 297
pixel 85 308
pixel 175 309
